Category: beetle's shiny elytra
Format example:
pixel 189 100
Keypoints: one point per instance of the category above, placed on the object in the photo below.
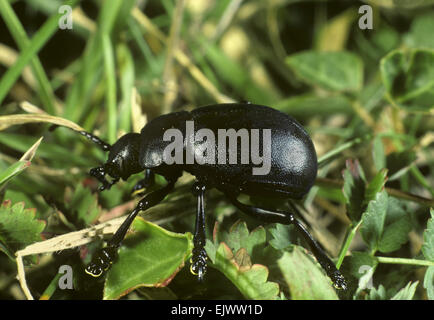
pixel 292 173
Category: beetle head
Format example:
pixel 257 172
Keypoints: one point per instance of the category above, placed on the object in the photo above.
pixel 122 161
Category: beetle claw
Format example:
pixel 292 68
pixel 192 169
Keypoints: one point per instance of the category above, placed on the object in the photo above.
pixel 101 262
pixel 339 282
pixel 198 264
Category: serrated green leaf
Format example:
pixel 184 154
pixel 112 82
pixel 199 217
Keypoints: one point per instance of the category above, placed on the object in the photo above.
pixel 377 294
pixel 375 186
pixel 406 293
pixel 239 237
pixel 396 227
pixel 18 226
pixel 305 279
pixel 251 280
pixel 85 205
pixel 150 256
pixel 281 236
pixel 428 238
pixel 232 257
pixel 354 189
pixel 409 78
pixel 340 71
pixel 373 220
pixel 357 264
pixel 428 282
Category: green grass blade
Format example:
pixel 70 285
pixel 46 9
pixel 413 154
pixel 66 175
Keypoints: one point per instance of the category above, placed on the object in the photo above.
pixel 37 42
pixel 13 170
pixel 18 33
pixel 110 76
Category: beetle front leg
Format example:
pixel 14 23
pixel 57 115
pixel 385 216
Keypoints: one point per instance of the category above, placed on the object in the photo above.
pixel 147 182
pixel 199 257
pixel 99 173
pixel 104 258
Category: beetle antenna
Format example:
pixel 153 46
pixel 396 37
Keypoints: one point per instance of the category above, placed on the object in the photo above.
pixel 102 144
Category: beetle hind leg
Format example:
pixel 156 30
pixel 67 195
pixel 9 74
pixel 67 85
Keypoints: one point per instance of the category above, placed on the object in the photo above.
pixel 277 216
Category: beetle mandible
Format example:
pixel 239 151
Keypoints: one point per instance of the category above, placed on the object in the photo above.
pixel 292 173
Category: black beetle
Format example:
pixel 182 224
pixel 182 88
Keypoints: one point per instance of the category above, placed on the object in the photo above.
pixel 292 172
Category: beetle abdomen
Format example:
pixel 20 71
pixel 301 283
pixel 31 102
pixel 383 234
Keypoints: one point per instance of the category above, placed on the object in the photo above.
pixel 282 158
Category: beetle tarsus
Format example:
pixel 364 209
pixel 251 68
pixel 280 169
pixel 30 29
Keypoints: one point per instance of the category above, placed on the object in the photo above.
pixel 338 281
pixel 102 261
pixel 199 263
pixel 199 256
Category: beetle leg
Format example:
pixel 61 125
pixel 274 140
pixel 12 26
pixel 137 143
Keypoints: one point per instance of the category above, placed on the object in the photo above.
pixel 99 173
pixel 104 258
pixel 277 216
pixel 199 257
pixel 147 182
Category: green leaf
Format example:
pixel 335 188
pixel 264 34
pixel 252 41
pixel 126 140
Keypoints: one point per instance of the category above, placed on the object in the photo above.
pixel 375 186
pixel 354 189
pixel 149 257
pixel 239 237
pixel 281 236
pixel 232 257
pixel 373 220
pixel 428 238
pixel 250 279
pixel 18 227
pixel 305 278
pixel 357 263
pixel 396 227
pixel 377 294
pixel 211 250
pixel 85 204
pixel 403 3
pixel 406 293
pixel 409 78
pixel 306 105
pixel 420 35
pixel 428 282
pixel 340 71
